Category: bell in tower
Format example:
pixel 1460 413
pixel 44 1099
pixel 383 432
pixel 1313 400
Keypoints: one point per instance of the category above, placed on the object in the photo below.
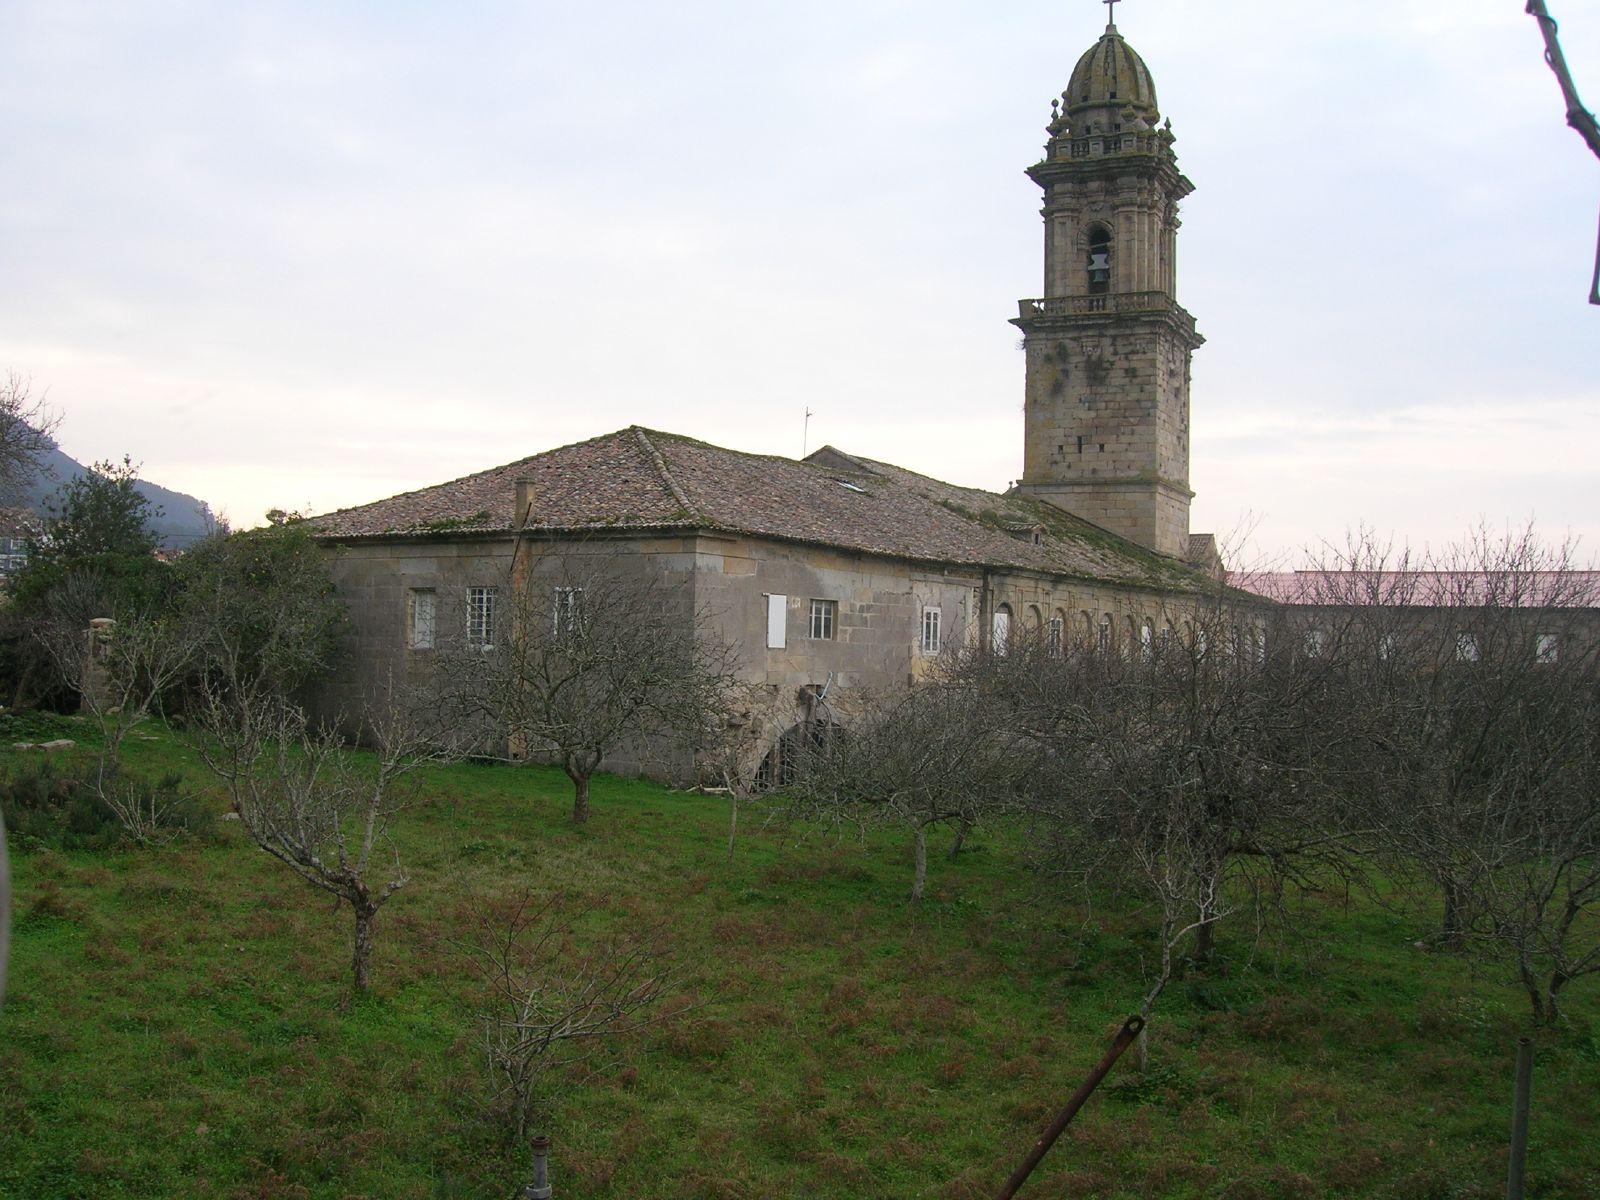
pixel 1108 347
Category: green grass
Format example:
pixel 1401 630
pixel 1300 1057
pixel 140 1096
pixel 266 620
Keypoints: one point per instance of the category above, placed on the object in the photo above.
pixel 178 1024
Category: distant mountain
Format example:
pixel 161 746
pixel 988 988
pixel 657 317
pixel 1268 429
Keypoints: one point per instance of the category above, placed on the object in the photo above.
pixel 178 520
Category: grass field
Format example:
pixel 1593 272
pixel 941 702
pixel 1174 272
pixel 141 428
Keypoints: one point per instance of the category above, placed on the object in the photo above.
pixel 178 1024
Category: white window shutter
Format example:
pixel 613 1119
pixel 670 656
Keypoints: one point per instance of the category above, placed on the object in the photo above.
pixel 777 622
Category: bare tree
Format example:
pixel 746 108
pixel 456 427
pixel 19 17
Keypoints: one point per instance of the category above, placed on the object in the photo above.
pixel 311 804
pixel 938 754
pixel 121 668
pixel 1476 673
pixel 1579 117
pixel 578 654
pixel 1189 770
pixel 557 1001
pixel 26 429
pixel 728 746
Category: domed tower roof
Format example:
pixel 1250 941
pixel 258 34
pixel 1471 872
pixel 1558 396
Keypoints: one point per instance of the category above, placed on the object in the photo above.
pixel 1112 75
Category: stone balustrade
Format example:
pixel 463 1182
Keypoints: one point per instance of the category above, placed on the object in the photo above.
pixel 1114 302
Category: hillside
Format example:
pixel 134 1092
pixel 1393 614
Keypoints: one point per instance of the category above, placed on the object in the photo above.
pixel 178 519
pixel 179 1024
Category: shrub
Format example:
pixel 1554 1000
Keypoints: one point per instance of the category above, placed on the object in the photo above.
pixel 46 806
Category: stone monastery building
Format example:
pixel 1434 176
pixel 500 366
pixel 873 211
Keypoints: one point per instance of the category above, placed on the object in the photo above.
pixel 836 572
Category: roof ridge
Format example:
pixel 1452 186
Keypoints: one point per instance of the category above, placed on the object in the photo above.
pixel 656 457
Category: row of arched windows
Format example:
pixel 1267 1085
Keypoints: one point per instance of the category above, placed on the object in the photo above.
pixel 1129 635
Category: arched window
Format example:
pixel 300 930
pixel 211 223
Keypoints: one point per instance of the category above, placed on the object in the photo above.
pixel 1147 639
pixel 1035 624
pixel 1106 634
pixel 1001 642
pixel 1058 634
pixel 1099 260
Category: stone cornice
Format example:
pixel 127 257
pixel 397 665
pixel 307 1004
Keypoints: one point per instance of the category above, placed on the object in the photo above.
pixel 1115 312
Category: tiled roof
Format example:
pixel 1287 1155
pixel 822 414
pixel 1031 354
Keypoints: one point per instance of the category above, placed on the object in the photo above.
pixel 1426 589
pixel 643 479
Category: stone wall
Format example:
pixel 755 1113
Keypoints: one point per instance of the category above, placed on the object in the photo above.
pixel 725 582
pixel 1107 423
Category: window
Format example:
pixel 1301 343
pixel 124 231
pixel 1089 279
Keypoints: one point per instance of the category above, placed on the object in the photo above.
pixel 1104 634
pixel 1388 646
pixel 1466 647
pixel 1315 641
pixel 1547 648
pixel 930 630
pixel 568 611
pixel 1001 641
pixel 1099 260
pixel 824 619
pixel 423 607
pixel 1056 642
pixel 480 616
pixel 777 622
pixel 13 555
pixel 1147 641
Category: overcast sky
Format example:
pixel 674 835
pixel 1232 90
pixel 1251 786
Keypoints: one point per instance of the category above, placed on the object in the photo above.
pixel 311 254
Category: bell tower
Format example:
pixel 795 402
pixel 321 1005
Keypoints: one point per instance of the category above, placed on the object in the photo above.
pixel 1108 347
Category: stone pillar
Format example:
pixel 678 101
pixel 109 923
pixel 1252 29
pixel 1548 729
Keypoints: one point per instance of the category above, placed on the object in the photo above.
pixel 96 681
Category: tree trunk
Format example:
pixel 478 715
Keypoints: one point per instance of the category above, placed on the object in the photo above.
pixel 1205 941
pixel 1450 920
pixel 961 837
pixel 1552 1000
pixel 366 917
pixel 919 877
pixel 733 827
pixel 580 794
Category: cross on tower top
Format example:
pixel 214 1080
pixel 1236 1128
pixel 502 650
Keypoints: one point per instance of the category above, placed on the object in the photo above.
pixel 1111 5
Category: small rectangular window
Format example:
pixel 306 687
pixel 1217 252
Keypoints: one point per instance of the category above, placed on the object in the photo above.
pixel 1058 636
pixel 568 610
pixel 424 607
pixel 1466 647
pixel 481 603
pixel 824 618
pixel 777 622
pixel 931 633
pixel 1547 649
pixel 1315 642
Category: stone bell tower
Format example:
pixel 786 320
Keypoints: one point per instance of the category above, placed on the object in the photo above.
pixel 1108 347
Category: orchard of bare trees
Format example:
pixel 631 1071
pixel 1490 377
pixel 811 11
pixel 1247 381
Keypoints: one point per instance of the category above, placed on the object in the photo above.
pixel 1425 730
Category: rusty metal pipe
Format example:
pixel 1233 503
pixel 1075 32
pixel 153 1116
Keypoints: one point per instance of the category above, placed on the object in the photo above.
pixel 1131 1029
pixel 539 1177
pixel 1518 1166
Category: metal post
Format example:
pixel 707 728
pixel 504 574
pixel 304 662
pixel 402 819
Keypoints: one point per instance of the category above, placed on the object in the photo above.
pixel 1519 1119
pixel 539 1185
pixel 1130 1030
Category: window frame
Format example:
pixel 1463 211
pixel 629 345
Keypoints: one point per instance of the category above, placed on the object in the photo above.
pixel 566 610
pixel 483 604
pixel 422 633
pixel 932 623
pixel 823 615
pixel 1546 649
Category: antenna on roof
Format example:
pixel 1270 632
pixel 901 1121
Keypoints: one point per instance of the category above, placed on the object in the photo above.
pixel 805 438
